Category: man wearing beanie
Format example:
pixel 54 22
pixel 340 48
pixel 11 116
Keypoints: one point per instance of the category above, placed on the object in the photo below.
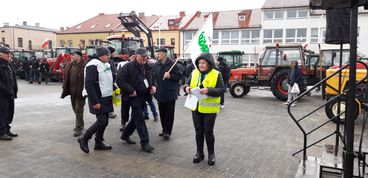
pixel 136 81
pixel 8 92
pixel 73 84
pixel 99 86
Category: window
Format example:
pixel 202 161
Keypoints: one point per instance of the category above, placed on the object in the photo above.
pixel 20 42
pixel 93 26
pixel 323 35
pixel 188 37
pixel 79 26
pixel 70 43
pixel 241 17
pixel 230 37
pixel 296 35
pixel 29 44
pixel 292 14
pixel 82 42
pixel 272 36
pixel 215 37
pixel 171 22
pixel 90 42
pixel 314 35
pixel 284 56
pixel 3 39
pixel 172 41
pixel 108 25
pixel 249 36
pixel 62 43
pixel 160 41
pixel 273 15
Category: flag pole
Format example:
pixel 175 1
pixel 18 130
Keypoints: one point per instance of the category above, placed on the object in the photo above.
pixel 186 48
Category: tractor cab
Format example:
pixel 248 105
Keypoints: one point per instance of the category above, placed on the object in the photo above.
pixel 236 59
pixel 120 42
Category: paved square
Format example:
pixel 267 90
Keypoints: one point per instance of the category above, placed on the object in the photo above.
pixel 255 137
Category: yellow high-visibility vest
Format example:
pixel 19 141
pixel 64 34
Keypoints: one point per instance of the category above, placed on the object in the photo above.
pixel 209 105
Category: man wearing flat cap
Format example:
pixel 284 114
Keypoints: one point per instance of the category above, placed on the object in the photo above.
pixel 98 83
pixel 73 84
pixel 8 92
pixel 136 81
pixel 167 90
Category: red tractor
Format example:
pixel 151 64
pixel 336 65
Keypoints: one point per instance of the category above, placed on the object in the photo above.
pixel 271 71
pixel 57 64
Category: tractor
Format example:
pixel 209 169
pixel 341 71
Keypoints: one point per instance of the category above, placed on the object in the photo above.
pixel 235 59
pixel 332 86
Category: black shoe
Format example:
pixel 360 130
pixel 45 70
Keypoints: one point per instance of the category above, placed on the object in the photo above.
pixel 161 134
pixel 128 140
pixel 11 134
pixel 30 82
pixel 112 115
pixel 198 157
pixel 147 148
pixel 83 143
pixel 102 146
pixel 211 159
pixel 146 118
pixel 78 133
pixel 5 137
pixel 166 136
pixel 155 118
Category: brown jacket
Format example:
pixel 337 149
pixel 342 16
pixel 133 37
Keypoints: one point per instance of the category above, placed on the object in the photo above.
pixel 74 89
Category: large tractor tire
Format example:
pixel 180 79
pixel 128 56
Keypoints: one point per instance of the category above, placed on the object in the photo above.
pixel 331 109
pixel 279 86
pixel 238 90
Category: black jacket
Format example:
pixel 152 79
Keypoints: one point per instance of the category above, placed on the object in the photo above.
pixel 94 91
pixel 225 70
pixel 297 77
pixel 167 90
pixel 128 78
pixel 8 80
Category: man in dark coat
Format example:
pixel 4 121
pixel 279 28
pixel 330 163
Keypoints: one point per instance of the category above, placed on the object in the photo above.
pixel 98 83
pixel 114 72
pixel 8 92
pixel 73 84
pixel 167 90
pixel 225 72
pixel 135 79
pixel 35 65
pixel 44 71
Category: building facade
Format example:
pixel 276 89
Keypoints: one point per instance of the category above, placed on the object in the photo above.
pixel 26 37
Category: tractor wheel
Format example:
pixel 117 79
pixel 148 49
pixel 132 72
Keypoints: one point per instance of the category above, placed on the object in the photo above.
pixel 279 86
pixel 238 90
pixel 331 109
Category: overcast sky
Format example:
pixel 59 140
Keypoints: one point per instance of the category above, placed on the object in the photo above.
pixel 66 13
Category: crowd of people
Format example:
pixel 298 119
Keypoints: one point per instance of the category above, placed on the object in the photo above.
pixel 140 81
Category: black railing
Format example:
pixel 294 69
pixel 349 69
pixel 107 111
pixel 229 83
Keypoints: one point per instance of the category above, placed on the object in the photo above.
pixel 337 117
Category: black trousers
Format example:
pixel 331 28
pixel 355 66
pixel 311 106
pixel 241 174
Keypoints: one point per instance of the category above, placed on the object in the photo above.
pixel 125 108
pixel 98 128
pixel 204 124
pixel 137 121
pixel 167 111
pixel 6 114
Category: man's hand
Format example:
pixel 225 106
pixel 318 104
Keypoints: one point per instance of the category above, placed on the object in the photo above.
pixel 133 94
pixel 203 91
pixel 97 106
pixel 167 75
pixel 188 90
pixel 153 90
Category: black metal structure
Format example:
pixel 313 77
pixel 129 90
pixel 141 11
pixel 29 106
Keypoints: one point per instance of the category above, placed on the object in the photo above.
pixel 135 25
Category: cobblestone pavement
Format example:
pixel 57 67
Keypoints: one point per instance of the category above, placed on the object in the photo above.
pixel 255 137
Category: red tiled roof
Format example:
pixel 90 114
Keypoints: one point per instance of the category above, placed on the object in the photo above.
pixel 104 23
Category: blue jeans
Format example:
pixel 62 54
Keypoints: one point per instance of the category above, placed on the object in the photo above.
pixel 137 121
pixel 153 109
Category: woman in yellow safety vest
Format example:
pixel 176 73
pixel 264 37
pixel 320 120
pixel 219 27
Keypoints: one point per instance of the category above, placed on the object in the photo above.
pixel 210 82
